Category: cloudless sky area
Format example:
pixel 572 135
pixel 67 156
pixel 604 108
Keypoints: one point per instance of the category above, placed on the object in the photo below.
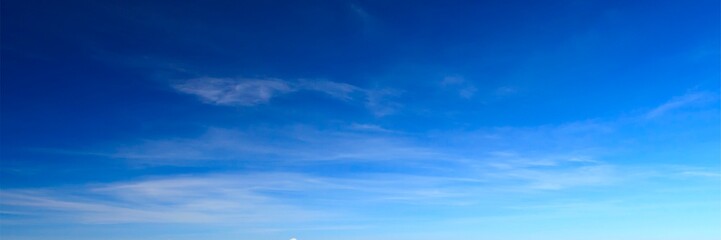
pixel 383 120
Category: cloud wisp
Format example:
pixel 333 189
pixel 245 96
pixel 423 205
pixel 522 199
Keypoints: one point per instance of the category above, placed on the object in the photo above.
pixel 366 143
pixel 251 92
pixel 265 198
pixel 255 200
pixel 208 199
pixel 488 173
pixel 679 102
pixel 294 145
pixel 220 91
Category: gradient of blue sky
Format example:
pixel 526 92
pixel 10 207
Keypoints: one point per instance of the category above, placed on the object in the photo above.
pixel 360 120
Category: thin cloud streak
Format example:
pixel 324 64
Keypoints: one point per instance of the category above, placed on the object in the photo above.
pixel 266 199
pixel 211 199
pixel 241 198
pixel 679 102
pixel 342 91
pixel 290 144
pixel 247 92
pixel 470 168
pixel 374 144
pixel 251 92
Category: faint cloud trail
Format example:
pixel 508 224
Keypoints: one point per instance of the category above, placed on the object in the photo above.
pixel 249 92
pixel 680 102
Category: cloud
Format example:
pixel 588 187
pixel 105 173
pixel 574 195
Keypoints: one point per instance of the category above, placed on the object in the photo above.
pixel 265 200
pixel 679 102
pixel 545 158
pixel 251 92
pixel 369 128
pixel 567 162
pixel 262 199
pixel 244 92
pixel 466 172
pixel 377 101
pixel 338 90
pixel 464 88
pixel 302 144
pixel 206 199
pixel 241 199
pixel 292 144
pixel 556 179
pixel 709 174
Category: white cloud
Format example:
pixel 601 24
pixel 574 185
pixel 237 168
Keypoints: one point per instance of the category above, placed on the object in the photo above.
pixel 375 100
pixel 251 92
pixel 299 144
pixel 263 199
pixel 235 199
pixel 206 199
pixel 468 170
pixel 565 165
pixel 369 128
pixel 338 90
pixel 243 92
pixel 554 157
pixel 680 102
pixel 293 144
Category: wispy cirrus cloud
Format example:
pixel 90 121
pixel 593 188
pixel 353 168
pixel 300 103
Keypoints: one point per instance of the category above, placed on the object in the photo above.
pixel 342 91
pixel 246 92
pixel 679 102
pixel 465 172
pixel 207 199
pixel 266 200
pixel 558 179
pixel 291 144
pixel 447 169
pixel 369 143
pixel 489 155
pixel 258 199
pixel 251 92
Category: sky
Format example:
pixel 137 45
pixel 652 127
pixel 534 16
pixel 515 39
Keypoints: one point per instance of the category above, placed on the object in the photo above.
pixel 384 120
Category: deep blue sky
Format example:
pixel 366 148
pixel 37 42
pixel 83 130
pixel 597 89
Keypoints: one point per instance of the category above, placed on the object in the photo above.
pixel 361 119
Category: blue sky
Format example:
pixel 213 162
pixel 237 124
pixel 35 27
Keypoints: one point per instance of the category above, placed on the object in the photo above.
pixel 360 120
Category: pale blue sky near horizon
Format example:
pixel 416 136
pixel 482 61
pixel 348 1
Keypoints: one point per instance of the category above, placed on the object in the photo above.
pixel 378 120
